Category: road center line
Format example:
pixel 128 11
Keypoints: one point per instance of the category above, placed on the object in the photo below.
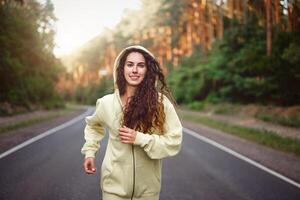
pixel 42 135
pixel 240 156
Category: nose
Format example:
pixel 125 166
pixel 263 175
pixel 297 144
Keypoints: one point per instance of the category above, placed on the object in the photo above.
pixel 134 69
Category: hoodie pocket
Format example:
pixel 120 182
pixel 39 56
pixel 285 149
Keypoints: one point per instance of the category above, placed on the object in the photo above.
pixel 119 180
pixel 148 179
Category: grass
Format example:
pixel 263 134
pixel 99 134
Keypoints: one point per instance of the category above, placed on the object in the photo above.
pixel 291 121
pixel 272 114
pixel 25 123
pixel 264 137
pixel 29 122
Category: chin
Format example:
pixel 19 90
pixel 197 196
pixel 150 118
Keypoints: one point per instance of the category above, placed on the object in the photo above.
pixel 134 84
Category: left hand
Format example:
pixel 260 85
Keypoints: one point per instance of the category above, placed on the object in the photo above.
pixel 127 135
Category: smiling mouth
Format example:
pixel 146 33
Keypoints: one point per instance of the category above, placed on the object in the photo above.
pixel 134 77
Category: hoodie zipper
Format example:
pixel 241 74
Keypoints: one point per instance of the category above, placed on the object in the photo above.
pixel 132 149
pixel 133 159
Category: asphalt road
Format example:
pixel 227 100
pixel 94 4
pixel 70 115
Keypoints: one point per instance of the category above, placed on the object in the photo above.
pixel 51 169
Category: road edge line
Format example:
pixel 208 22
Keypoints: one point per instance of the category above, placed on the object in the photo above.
pixel 240 156
pixel 44 134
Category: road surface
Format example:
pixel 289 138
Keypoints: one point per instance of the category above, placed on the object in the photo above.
pixel 51 169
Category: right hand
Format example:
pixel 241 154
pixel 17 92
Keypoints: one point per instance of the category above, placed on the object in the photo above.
pixel 89 165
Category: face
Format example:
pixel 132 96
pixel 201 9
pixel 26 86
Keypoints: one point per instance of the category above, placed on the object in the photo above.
pixel 135 69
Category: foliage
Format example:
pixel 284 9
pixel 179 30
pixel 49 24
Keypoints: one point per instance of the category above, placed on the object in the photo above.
pixel 92 92
pixel 188 81
pixel 28 68
pixel 196 105
pixel 238 70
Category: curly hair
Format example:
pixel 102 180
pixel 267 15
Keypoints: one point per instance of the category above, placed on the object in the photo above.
pixel 145 111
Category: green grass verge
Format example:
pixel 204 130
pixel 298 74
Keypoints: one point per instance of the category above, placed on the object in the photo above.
pixel 25 123
pixel 270 114
pixel 291 121
pixel 69 107
pixel 264 137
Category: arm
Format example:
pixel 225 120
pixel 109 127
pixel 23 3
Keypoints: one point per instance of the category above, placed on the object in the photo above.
pixel 167 144
pixel 93 132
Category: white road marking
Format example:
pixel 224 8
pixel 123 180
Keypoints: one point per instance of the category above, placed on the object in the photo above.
pixel 42 135
pixel 240 156
pixel 190 132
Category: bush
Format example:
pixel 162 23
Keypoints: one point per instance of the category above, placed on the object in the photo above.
pixel 196 105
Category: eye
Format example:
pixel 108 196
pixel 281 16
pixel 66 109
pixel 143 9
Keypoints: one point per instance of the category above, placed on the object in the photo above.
pixel 129 64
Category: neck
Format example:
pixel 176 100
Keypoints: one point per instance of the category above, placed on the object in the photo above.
pixel 130 90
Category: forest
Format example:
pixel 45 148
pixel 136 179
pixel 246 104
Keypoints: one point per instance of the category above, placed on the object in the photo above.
pixel 237 51
pixel 233 51
pixel 28 68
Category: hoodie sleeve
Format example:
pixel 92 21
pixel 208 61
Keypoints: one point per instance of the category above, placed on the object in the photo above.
pixel 93 132
pixel 168 144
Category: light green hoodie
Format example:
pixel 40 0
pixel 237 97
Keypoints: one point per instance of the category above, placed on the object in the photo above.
pixel 130 172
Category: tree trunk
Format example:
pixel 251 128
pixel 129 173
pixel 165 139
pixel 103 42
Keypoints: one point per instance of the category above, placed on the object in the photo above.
pixel 277 12
pixel 290 17
pixel 293 16
pixel 220 20
pixel 269 26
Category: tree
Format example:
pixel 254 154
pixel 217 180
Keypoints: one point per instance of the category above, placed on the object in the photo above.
pixel 269 26
pixel 28 68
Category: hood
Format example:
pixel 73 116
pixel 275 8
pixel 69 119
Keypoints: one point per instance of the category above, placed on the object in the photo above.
pixel 117 61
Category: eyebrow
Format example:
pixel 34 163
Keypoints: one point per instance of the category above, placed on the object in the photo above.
pixel 138 63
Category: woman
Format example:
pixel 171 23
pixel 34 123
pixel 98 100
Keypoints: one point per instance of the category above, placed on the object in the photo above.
pixel 143 128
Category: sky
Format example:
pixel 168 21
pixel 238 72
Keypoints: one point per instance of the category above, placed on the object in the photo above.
pixel 81 20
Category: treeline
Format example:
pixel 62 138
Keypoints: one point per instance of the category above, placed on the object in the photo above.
pixel 235 50
pixel 237 69
pixel 28 69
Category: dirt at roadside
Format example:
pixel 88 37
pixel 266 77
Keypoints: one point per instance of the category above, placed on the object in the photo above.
pixel 281 162
pixel 12 138
pixel 284 163
pixel 249 122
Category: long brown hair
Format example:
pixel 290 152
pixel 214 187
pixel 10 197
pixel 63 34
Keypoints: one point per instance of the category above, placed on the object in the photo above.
pixel 145 111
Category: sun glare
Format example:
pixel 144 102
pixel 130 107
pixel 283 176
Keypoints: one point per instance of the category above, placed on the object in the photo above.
pixel 79 21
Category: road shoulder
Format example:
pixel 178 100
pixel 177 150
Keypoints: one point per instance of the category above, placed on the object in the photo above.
pixel 281 162
pixel 12 138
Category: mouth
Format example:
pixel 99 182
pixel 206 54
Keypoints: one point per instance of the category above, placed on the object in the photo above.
pixel 134 77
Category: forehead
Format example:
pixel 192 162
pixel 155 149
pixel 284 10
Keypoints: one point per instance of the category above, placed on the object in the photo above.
pixel 135 57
